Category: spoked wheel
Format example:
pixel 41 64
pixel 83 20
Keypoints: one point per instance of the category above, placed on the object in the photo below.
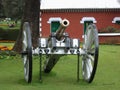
pixel 27 52
pixel 90 58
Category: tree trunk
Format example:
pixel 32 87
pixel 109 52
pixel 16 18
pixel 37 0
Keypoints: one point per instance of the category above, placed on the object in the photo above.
pixel 31 15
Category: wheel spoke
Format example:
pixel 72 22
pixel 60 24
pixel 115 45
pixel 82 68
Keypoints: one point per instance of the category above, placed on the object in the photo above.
pixel 89 39
pixel 26 68
pixel 91 51
pixel 91 57
pixel 25 59
pixel 87 68
pixel 89 64
pixel 83 68
pixel 24 41
pixel 87 71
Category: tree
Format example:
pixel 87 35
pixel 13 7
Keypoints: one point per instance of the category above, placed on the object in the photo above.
pixel 12 8
pixel 1 9
pixel 30 14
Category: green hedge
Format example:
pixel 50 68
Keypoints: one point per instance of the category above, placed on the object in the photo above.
pixel 109 29
pixel 9 34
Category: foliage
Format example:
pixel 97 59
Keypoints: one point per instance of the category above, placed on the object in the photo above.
pixel 7 54
pixel 109 29
pixel 12 8
pixel 9 34
pixel 2 14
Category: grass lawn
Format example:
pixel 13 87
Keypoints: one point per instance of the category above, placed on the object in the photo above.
pixel 63 76
pixel 8 44
pixel 4 25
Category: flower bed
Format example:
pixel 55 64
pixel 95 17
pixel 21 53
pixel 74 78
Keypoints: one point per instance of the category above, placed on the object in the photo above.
pixel 4 48
pixel 6 52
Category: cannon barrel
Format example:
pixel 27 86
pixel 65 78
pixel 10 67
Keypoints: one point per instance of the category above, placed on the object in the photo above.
pixel 52 60
pixel 63 25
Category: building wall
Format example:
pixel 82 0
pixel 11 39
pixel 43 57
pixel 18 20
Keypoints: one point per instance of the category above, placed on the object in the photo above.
pixel 75 29
pixel 109 39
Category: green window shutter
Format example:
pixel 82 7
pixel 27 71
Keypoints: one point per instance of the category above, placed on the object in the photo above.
pixel 54 26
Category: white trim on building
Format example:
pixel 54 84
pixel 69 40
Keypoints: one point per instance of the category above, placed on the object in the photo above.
pixel 115 19
pixel 109 34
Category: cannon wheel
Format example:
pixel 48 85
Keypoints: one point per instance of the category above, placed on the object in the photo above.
pixel 27 52
pixel 90 58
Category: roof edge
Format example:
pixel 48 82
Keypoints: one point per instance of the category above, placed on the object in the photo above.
pixel 81 10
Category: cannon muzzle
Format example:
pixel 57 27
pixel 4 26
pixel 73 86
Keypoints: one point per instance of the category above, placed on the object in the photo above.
pixel 63 25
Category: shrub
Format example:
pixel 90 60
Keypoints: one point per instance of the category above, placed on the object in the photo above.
pixel 10 34
pixel 109 29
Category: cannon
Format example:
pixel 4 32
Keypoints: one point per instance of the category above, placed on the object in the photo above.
pixel 59 44
pixel 58 36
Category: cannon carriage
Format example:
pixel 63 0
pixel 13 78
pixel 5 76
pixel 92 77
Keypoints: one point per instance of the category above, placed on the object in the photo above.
pixel 59 44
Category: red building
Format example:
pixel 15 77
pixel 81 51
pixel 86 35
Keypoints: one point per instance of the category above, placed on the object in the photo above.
pixel 103 13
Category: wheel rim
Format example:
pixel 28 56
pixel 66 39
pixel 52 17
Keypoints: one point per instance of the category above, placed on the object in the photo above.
pixel 90 59
pixel 27 50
